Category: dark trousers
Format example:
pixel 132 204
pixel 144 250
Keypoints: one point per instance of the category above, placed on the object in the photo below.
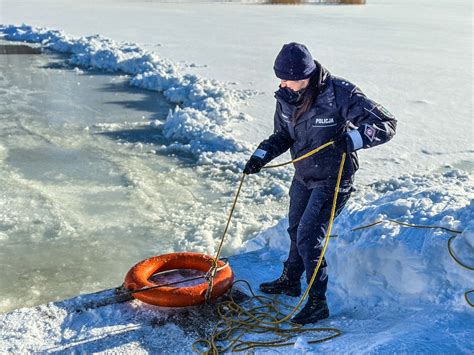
pixel 310 210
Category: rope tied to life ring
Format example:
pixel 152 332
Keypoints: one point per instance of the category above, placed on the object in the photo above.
pixel 138 280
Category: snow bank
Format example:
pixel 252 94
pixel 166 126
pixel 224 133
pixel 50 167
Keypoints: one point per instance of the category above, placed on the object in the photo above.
pixel 390 263
pixel 203 107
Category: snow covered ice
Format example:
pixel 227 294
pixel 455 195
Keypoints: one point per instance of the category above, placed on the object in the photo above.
pixel 139 98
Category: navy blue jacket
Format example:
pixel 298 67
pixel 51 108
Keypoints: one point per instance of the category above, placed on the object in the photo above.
pixel 339 107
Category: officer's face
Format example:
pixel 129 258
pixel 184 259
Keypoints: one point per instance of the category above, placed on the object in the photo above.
pixel 294 85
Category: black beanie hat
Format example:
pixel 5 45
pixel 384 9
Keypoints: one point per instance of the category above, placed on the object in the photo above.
pixel 294 62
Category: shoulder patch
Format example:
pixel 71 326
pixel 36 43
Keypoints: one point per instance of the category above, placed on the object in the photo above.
pixel 376 109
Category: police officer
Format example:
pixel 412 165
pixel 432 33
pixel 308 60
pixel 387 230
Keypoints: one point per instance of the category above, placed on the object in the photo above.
pixel 312 108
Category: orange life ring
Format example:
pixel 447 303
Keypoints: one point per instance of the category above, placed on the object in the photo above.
pixel 138 276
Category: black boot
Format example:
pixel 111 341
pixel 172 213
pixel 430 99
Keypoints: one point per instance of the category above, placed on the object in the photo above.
pixel 288 283
pixel 315 309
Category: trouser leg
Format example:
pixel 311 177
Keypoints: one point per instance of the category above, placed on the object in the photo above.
pixel 311 233
pixel 299 197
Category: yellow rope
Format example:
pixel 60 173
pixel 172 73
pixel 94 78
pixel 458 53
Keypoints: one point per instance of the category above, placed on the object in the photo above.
pixel 212 270
pixel 450 240
pixel 236 321
pixel 405 224
pixel 264 318
pixel 304 156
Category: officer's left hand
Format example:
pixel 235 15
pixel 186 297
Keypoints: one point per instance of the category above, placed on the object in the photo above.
pixel 342 143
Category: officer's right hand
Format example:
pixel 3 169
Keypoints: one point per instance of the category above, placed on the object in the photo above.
pixel 342 144
pixel 254 165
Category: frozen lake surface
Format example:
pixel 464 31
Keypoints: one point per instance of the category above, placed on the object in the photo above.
pixel 89 186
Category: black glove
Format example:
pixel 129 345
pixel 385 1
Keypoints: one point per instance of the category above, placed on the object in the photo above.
pixel 254 165
pixel 343 144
